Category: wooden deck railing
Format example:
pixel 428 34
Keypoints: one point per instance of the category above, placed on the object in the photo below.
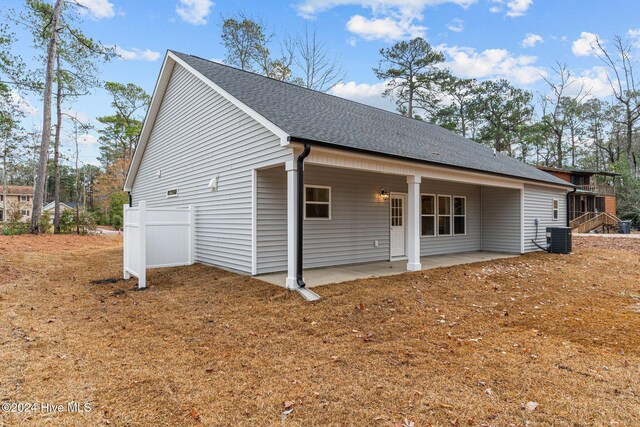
pixel 600 189
pixel 593 220
pixel 582 219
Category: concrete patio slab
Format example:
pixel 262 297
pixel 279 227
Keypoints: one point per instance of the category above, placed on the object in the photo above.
pixel 324 276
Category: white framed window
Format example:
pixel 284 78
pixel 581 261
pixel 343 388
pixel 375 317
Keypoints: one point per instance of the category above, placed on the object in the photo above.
pixel 24 212
pixel 556 209
pixel 444 215
pixel 427 215
pixel 459 215
pixel 317 202
pixel 172 192
pixel 24 198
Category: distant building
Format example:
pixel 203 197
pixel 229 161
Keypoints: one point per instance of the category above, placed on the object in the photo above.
pixel 64 206
pixel 595 190
pixel 20 200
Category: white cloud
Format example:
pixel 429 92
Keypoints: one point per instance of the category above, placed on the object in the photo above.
pixel 457 25
pixel 99 9
pixel 514 7
pixel 194 12
pixel 23 104
pixel 634 34
pixel 370 94
pixel 384 28
pixel 492 64
pixel 389 20
pixel 518 7
pixel 531 40
pixel 311 8
pixel 593 81
pixel 135 54
pixel 585 44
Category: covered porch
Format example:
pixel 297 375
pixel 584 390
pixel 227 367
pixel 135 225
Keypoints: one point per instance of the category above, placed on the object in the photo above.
pixel 367 217
pixel 328 275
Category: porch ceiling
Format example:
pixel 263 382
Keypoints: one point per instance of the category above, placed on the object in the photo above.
pixel 324 276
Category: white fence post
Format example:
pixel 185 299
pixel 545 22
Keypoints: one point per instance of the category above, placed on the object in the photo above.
pixel 125 252
pixel 192 234
pixel 142 221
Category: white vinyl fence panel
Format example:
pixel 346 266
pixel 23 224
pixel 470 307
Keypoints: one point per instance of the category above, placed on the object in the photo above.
pixel 156 237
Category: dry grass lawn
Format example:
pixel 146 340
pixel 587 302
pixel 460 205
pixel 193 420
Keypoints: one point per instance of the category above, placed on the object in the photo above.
pixel 467 345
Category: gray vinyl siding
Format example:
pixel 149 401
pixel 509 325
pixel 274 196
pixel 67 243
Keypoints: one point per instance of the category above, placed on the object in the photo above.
pixel 501 220
pixel 272 220
pixel 538 203
pixel 439 245
pixel 197 135
pixel 358 218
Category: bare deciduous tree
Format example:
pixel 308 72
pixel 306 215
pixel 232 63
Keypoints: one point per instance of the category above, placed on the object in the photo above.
pixel 319 70
pixel 620 73
pixel 558 103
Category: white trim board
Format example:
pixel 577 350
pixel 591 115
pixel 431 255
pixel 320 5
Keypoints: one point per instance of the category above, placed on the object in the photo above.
pixel 369 162
pixel 254 222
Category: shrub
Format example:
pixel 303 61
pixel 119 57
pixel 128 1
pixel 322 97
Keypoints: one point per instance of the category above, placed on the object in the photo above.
pixel 15 225
pixel 116 200
pixel 45 223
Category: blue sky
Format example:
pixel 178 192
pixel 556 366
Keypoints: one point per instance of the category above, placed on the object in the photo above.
pixel 515 39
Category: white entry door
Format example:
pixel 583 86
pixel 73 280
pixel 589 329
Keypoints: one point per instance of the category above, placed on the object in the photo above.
pixel 398 203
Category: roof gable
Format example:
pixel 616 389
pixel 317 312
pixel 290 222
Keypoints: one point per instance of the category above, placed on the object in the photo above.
pixel 170 61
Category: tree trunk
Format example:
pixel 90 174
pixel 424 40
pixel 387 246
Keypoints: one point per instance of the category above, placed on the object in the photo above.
pixel 36 211
pixel 5 187
pixel 56 151
pixel 410 106
pixel 573 148
pixel 629 143
pixel 559 155
pixel 77 183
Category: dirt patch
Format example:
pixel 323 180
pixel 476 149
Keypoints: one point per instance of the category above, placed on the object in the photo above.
pixel 544 339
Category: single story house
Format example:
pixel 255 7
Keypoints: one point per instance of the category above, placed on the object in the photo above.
pixel 281 176
pixel 64 206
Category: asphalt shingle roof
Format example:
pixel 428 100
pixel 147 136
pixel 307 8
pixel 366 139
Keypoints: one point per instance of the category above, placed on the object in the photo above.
pixel 315 116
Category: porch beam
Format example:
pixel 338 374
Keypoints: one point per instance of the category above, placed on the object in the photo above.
pixel 292 227
pixel 413 223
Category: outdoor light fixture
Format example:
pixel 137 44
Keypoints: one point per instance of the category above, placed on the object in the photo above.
pixel 384 194
pixel 213 184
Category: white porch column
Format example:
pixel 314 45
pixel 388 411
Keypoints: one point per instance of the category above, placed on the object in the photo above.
pixel 413 222
pixel 292 229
